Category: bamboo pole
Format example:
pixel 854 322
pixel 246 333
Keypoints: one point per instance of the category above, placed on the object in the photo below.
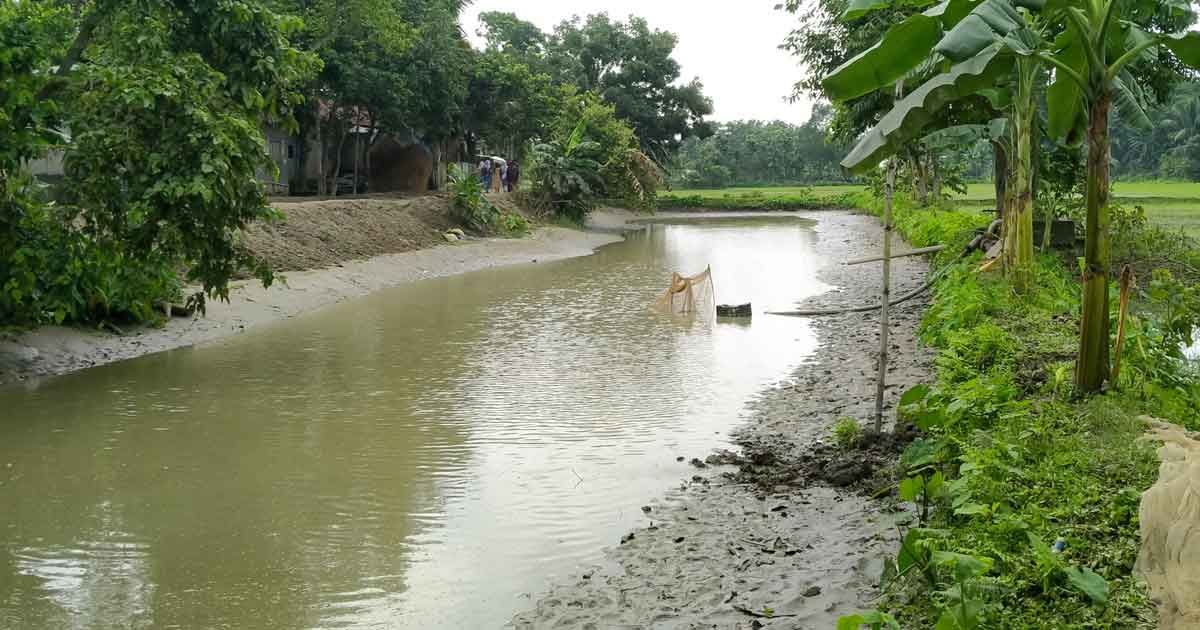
pixel 916 252
pixel 885 297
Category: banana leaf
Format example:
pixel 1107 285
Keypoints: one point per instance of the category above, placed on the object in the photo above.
pixel 913 114
pixel 859 8
pixel 1128 98
pixel 903 47
pixel 966 135
pixel 988 22
pixel 1066 114
pixel 1186 47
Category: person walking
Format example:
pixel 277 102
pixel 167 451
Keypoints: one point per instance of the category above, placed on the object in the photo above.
pixel 514 175
pixel 504 176
pixel 485 173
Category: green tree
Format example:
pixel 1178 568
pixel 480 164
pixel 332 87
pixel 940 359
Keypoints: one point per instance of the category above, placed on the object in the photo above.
pixel 630 66
pixel 1090 61
pixel 157 113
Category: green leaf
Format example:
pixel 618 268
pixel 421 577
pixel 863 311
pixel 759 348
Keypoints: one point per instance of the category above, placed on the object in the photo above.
pixel 1089 583
pixel 1129 103
pixel 947 622
pixel 964 566
pixel 911 487
pixel 850 622
pixel 934 484
pixel 1064 99
pixel 914 395
pixel 964 136
pixel 909 118
pixel 1186 47
pixel 858 8
pixel 921 453
pixel 903 47
pixel 971 509
pixel 984 26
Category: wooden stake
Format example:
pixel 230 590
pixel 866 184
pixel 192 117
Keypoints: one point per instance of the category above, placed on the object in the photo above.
pixel 885 300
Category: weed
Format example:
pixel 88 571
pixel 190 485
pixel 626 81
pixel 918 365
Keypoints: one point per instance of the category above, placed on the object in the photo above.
pixel 847 433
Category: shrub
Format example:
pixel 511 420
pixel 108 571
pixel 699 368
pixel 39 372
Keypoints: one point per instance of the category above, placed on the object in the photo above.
pixel 514 224
pixel 847 433
pixel 467 200
pixel 565 175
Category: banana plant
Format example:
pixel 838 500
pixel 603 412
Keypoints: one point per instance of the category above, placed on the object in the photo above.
pixel 992 43
pixel 1090 63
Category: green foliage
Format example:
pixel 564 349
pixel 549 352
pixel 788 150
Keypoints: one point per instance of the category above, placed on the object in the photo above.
pixel 514 224
pixel 874 620
pixel 629 176
pixel 631 65
pixel 468 202
pixel 847 433
pixel 161 155
pixel 757 153
pixel 565 175
pixel 1010 461
pixel 792 199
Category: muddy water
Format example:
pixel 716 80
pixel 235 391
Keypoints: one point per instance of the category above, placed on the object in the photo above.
pixel 428 457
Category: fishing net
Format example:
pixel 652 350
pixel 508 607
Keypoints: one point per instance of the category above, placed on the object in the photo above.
pixel 1170 523
pixel 688 295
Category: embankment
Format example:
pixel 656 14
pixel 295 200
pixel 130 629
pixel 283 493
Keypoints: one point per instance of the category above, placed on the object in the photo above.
pixel 330 251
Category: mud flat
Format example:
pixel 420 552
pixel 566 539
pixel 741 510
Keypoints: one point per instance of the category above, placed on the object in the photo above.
pixel 772 536
pixel 335 262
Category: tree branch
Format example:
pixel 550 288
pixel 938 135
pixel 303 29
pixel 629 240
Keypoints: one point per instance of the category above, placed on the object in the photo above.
pixel 87 30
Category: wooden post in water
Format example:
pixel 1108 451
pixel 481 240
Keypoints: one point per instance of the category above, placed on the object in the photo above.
pixel 888 193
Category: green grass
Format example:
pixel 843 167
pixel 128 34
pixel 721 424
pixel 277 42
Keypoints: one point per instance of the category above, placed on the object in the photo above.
pixel 1174 205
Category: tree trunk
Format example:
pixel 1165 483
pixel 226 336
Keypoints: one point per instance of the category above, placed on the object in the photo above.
pixel 337 163
pixel 1018 245
pixel 935 168
pixel 439 164
pixel 357 157
pixel 1000 176
pixel 919 183
pixel 321 187
pixel 1092 366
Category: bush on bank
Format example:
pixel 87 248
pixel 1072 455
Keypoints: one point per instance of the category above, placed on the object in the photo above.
pixel 1031 494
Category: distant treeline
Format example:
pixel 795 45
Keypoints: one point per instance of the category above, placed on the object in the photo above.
pixel 759 153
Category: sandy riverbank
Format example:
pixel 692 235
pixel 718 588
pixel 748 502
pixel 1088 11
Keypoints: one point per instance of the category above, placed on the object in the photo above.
pixel 57 350
pixel 730 545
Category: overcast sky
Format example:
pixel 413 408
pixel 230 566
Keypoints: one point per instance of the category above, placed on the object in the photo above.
pixel 731 46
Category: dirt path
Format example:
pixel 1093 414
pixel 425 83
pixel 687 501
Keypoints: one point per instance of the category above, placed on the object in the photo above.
pixel 57 350
pixel 727 546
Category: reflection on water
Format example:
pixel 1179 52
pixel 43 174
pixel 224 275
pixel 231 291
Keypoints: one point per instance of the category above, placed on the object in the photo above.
pixel 430 456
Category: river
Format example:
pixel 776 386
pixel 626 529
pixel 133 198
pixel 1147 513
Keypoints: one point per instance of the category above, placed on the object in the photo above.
pixel 431 456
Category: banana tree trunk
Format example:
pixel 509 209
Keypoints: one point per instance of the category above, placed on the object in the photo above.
pixel 1092 366
pixel 1019 232
pixel 919 178
pixel 1000 176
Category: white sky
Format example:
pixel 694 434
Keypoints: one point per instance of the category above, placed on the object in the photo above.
pixel 731 46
